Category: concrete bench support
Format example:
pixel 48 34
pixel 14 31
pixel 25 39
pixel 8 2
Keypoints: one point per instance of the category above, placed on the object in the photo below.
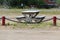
pixel 20 18
pixel 39 19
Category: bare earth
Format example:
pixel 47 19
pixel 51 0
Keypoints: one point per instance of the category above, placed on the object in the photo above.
pixel 29 34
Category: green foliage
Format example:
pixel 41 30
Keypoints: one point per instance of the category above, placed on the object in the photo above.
pixel 40 2
pixel 17 3
pixel 58 1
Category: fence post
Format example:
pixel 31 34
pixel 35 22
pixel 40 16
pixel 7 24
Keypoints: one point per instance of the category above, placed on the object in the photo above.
pixel 3 20
pixel 54 20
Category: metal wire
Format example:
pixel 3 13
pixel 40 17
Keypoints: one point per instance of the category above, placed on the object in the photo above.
pixel 12 20
pixel 19 22
pixel 47 20
pixel 58 18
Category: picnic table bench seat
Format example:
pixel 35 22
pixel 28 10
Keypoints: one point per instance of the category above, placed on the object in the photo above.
pixel 39 18
pixel 20 18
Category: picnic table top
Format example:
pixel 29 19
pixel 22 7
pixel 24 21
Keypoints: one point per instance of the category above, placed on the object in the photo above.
pixel 31 11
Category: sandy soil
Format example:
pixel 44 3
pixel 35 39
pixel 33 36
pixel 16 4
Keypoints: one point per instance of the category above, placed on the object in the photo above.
pixel 7 33
pixel 29 34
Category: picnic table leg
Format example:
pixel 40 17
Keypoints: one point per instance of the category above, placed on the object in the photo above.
pixel 39 20
pixel 28 18
pixel 36 14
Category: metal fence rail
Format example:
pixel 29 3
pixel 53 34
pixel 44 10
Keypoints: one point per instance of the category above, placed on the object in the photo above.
pixel 54 18
pixel 47 19
pixel 12 20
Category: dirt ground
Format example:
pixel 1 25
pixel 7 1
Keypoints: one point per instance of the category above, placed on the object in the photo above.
pixel 52 33
pixel 6 33
pixel 33 34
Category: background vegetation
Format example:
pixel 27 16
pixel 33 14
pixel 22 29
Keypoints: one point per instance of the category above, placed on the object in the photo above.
pixel 17 3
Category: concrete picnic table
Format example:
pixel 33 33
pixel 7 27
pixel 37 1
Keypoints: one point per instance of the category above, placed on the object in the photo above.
pixel 32 13
pixel 30 16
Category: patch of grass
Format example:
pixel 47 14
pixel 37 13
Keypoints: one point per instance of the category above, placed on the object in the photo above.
pixel 18 12
pixel 50 11
pixel 43 25
pixel 11 24
pixel 32 26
